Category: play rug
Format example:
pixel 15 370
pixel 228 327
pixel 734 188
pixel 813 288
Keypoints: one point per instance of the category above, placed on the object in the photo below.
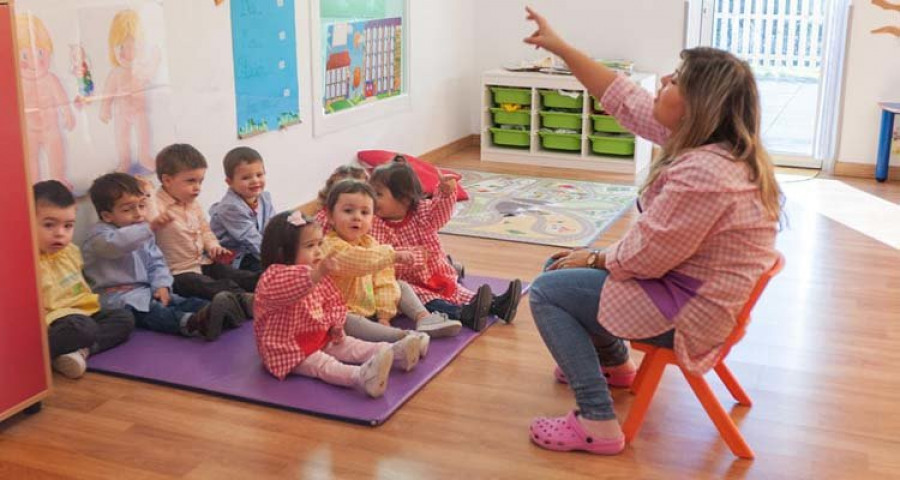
pixel 230 367
pixel 545 211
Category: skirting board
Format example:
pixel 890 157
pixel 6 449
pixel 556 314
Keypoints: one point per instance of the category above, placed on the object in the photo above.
pixel 863 170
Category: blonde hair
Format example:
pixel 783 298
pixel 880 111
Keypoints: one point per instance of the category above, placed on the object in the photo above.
pixel 126 23
pixel 722 107
pixel 32 33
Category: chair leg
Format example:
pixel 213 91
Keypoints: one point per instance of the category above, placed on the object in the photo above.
pixel 733 386
pixel 652 368
pixel 642 370
pixel 719 416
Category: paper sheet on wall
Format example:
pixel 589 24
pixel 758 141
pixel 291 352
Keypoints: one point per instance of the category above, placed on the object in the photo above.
pixel 95 84
pixel 362 61
pixel 265 65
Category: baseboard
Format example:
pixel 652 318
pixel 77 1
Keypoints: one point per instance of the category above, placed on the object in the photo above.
pixel 445 151
pixel 862 170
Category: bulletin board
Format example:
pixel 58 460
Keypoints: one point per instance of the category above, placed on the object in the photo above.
pixel 264 45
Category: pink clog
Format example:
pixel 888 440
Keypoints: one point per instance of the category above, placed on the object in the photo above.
pixel 566 434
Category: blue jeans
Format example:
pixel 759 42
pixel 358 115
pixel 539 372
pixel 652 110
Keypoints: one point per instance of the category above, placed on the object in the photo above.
pixel 453 311
pixel 168 319
pixel 564 305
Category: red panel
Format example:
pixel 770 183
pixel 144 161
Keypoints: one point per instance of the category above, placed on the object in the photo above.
pixel 22 362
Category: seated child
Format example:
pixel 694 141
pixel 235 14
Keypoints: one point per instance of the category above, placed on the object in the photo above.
pixel 413 222
pixel 239 218
pixel 124 265
pixel 184 236
pixel 365 273
pixel 355 172
pixel 77 325
pixel 300 315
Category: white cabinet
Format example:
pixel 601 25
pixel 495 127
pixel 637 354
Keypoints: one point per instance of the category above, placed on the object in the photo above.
pixel 533 144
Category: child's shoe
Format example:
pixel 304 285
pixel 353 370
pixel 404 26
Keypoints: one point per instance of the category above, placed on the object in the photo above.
pixel 504 306
pixel 406 353
pixel 246 302
pixel 73 364
pixel 460 268
pixel 437 325
pixel 224 309
pixel 424 341
pixel 373 375
pixel 474 314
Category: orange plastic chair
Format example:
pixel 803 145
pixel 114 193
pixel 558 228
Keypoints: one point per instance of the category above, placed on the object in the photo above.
pixel 657 358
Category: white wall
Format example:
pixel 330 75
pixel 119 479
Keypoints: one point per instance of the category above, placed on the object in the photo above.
pixel 872 75
pixel 200 61
pixel 649 32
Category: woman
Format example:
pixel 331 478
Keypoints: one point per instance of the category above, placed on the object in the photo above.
pixel 679 276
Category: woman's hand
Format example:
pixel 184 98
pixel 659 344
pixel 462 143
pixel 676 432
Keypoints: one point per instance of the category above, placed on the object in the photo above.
pixel 575 259
pixel 544 37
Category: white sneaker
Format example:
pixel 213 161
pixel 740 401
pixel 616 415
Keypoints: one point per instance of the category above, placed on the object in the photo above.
pixel 373 375
pixel 72 365
pixel 437 325
pixel 406 353
pixel 424 341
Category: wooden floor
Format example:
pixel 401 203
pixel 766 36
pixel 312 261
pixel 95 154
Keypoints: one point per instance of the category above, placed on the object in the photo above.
pixel 821 361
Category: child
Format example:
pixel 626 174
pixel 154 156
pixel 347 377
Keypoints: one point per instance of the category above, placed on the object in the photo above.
pixel 366 274
pixel 300 315
pixel 354 172
pixel 239 218
pixel 412 222
pixel 78 326
pixel 47 110
pixel 123 264
pixel 184 235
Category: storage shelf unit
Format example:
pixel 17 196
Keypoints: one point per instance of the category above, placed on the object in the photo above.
pixel 528 147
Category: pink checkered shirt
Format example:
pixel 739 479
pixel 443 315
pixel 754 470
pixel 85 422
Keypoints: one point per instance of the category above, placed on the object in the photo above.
pixel 419 231
pixel 700 244
pixel 294 317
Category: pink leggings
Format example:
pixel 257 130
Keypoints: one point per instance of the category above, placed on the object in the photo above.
pixel 328 364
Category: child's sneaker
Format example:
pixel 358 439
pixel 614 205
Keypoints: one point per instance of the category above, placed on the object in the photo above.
pixel 373 375
pixel 424 341
pixel 224 309
pixel 504 306
pixel 474 314
pixel 437 325
pixel 406 353
pixel 73 364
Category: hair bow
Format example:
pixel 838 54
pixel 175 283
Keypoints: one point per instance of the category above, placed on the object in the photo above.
pixel 296 219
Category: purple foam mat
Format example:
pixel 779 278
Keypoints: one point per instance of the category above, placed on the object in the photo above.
pixel 231 367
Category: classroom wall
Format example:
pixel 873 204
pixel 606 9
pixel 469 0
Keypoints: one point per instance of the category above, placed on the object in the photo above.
pixel 872 75
pixel 649 32
pixel 200 62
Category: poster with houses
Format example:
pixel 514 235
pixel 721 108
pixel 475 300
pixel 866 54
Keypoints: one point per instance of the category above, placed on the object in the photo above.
pixel 362 61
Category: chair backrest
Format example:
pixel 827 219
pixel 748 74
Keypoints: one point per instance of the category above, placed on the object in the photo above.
pixel 743 319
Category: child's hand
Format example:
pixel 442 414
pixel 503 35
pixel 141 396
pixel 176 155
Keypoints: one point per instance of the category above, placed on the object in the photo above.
pixel 336 334
pixel 327 265
pixel 403 257
pixel 146 186
pixel 162 294
pixel 447 184
pixel 384 320
pixel 161 220
pixel 218 252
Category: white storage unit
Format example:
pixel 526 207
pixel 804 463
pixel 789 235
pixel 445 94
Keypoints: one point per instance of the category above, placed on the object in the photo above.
pixel 579 153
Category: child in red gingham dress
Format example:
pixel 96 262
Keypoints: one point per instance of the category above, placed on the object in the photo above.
pixel 413 222
pixel 300 315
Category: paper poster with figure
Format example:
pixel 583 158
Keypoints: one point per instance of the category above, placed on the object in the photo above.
pixel 95 87
pixel 363 62
pixel 265 66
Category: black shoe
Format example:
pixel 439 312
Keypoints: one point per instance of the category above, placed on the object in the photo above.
pixel 207 322
pixel 234 307
pixel 505 306
pixel 474 314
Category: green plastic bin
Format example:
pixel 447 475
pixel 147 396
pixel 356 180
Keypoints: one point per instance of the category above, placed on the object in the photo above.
pixel 561 141
pixel 597 107
pixel 612 144
pixel 606 123
pixel 519 96
pixel 553 99
pixel 571 121
pixel 519 117
pixel 510 138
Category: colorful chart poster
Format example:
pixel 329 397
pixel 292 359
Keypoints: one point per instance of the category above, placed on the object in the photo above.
pixel 95 86
pixel 265 65
pixel 363 62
